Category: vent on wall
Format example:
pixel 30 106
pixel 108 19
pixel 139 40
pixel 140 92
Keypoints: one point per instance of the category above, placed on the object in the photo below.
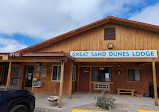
pixel 109 33
pixel 101 86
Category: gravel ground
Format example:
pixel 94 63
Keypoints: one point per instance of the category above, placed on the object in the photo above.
pixel 117 108
pixel 124 103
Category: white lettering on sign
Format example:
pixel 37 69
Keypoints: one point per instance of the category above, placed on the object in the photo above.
pixel 14 54
pixel 115 54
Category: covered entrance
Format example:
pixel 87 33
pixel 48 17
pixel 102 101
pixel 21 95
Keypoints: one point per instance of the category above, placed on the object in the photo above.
pixel 29 76
pixel 97 76
pixel 29 72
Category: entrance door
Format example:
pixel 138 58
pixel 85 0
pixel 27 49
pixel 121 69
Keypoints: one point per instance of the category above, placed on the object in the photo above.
pixel 29 76
pixel 84 79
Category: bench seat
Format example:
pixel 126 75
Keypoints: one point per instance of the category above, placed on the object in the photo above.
pixel 125 91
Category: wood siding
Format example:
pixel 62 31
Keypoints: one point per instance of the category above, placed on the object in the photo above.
pixel 127 38
pixel 121 81
pixel 53 86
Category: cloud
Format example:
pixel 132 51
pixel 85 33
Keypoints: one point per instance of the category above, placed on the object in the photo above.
pixel 10 45
pixel 43 19
pixel 149 15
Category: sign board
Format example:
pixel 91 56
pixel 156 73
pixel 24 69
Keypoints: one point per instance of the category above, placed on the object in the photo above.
pixel 5 57
pixel 14 54
pixel 36 84
pixel 44 72
pixel 115 54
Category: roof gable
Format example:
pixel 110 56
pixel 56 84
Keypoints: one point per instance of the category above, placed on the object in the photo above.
pixel 109 19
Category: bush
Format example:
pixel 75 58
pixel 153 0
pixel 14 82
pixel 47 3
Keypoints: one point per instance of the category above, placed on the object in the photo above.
pixel 105 101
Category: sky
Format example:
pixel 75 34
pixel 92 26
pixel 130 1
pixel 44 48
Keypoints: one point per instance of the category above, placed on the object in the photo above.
pixel 27 22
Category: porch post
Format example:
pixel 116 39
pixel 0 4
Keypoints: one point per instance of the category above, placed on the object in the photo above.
pixel 61 83
pixel 155 83
pixel 70 81
pixel 8 77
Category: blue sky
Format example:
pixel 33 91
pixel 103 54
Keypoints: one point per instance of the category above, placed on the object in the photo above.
pixel 27 22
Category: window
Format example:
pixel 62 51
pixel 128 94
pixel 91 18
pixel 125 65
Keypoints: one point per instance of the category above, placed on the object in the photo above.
pixel 134 75
pixel 101 86
pixel 109 33
pixel 101 74
pixel 56 73
pixel 74 73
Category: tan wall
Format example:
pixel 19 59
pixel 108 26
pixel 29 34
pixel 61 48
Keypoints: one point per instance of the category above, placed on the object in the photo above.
pixel 126 39
pixel 140 87
pixel 53 86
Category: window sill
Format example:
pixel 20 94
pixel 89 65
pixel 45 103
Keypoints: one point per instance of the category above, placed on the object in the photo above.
pixel 102 82
pixel 55 81
pixel 101 89
pixel 133 81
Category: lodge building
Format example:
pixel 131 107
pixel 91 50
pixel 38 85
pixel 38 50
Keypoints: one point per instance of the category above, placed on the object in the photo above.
pixel 108 54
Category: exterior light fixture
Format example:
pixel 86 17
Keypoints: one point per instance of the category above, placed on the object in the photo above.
pixel 101 68
pixel 110 46
pixel 119 66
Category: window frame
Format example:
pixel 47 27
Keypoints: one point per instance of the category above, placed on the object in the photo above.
pixel 109 37
pixel 102 84
pixel 74 66
pixel 134 69
pixel 110 72
pixel 57 73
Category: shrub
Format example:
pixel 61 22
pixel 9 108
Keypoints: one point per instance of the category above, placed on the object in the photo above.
pixel 104 101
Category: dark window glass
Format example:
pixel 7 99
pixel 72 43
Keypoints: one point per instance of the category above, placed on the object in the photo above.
pixel 109 33
pixel 101 74
pixel 74 73
pixel 56 74
pixel 54 77
pixel 134 75
pixel 59 72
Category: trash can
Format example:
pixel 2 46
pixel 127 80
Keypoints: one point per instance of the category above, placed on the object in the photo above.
pixel 151 90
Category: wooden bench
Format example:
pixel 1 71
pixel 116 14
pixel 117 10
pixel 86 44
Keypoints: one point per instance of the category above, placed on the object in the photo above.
pixel 125 91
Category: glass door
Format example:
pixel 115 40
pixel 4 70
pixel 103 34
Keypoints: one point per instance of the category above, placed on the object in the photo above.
pixel 29 76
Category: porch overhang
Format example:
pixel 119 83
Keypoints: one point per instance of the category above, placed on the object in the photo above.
pixel 116 59
pixel 36 57
pixel 60 57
